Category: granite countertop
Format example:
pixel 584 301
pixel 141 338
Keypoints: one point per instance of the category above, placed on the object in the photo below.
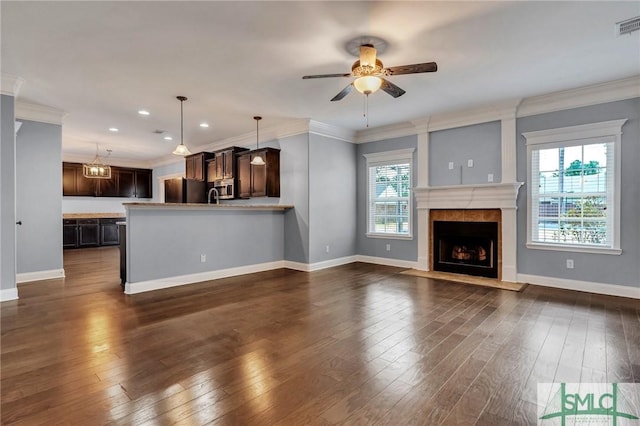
pixel 202 206
pixel 92 215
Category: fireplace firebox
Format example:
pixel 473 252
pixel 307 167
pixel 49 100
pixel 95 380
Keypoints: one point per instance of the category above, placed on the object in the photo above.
pixel 466 248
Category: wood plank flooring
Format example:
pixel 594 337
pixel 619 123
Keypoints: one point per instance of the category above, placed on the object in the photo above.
pixel 355 344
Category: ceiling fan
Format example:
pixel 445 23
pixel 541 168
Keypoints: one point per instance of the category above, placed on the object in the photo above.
pixel 370 72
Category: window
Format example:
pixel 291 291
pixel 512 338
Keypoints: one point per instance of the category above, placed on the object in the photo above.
pixel 389 208
pixel 574 188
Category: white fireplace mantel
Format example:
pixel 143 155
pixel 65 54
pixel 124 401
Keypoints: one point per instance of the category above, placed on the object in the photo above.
pixel 484 196
pixel 501 196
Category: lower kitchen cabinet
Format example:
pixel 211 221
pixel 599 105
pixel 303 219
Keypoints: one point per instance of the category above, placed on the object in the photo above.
pixel 81 233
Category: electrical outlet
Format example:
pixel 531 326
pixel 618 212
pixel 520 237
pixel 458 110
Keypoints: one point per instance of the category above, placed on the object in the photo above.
pixel 326 249
pixel 203 258
pixel 451 165
pixel 388 247
pixel 490 177
pixel 569 263
pixel 469 163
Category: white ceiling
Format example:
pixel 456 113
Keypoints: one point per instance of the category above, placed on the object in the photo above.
pixel 102 61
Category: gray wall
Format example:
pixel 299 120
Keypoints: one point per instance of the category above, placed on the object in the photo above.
pixel 623 269
pixel 332 198
pixel 400 249
pixel 164 170
pixel 229 238
pixel 38 197
pixel 479 142
pixel 7 194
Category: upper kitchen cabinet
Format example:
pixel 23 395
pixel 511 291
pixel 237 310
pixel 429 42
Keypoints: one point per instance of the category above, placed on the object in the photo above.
pixel 196 166
pixel 259 181
pixel 124 182
pixel 223 165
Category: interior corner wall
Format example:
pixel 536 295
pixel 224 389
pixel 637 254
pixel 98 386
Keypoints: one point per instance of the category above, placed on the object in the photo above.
pixel 7 196
pixel 332 198
pixel 479 142
pixel 38 197
pixel 599 268
pixel 376 247
pixel 294 190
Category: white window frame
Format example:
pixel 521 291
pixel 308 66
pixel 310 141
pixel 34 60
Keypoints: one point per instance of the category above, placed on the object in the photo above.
pixel 388 158
pixel 572 136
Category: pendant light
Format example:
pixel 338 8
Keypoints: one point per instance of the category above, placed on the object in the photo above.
pixel 97 169
pixel 257 160
pixel 181 149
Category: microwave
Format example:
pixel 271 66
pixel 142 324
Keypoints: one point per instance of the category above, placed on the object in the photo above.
pixel 225 189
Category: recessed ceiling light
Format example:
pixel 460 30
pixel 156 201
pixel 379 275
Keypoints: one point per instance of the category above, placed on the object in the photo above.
pixel 113 129
pixel 168 138
pixel 143 112
pixel 204 125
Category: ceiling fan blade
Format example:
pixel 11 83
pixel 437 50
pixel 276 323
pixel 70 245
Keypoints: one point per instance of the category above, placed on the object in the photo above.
pixel 343 93
pixel 413 69
pixel 326 75
pixel 367 55
pixel 391 88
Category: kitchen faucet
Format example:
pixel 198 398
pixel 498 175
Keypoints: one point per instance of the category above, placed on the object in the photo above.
pixel 216 196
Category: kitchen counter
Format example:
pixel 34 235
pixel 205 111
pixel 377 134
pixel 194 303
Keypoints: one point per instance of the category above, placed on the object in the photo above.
pixel 92 215
pixel 201 206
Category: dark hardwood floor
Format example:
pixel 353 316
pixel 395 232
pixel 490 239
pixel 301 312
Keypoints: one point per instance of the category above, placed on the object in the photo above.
pixel 356 344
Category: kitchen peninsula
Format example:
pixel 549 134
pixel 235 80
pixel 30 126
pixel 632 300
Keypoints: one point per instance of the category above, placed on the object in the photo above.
pixel 175 244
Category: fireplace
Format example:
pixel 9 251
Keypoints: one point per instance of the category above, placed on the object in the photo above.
pixel 469 248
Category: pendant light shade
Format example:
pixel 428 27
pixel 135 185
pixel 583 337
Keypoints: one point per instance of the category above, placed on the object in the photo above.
pixel 181 149
pixel 257 160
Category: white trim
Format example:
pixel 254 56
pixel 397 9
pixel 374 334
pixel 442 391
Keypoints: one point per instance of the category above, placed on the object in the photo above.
pixel 113 161
pixel 51 274
pixel 574 248
pixel 39 113
pixel 610 91
pixel 408 236
pixel 10 85
pixel 330 131
pixel 17 126
pixel 409 264
pixel 494 112
pixel 385 157
pixel 485 196
pixel 588 286
pixel 310 267
pixel 7 294
pixel 572 133
pixel 578 135
pixel 390 131
pixel 160 283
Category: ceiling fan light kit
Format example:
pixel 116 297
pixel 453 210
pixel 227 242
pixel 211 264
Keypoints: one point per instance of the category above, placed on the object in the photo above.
pixel 369 71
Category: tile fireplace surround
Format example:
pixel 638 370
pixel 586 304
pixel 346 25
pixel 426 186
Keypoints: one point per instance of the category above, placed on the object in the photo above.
pixel 491 202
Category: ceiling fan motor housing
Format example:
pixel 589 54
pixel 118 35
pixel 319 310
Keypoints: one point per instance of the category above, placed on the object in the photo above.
pixel 360 71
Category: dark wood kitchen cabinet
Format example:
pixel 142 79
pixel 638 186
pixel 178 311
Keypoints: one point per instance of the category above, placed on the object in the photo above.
pixel 259 181
pixel 196 165
pixel 95 232
pixel 224 164
pixel 124 182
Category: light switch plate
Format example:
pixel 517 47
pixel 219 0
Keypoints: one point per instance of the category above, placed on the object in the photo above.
pixel 490 177
pixel 451 165
pixel 469 163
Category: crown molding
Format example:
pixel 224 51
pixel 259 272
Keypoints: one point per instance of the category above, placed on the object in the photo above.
pixel 330 131
pixel 10 85
pixel 493 112
pixel 391 131
pixel 610 91
pixel 112 161
pixel 40 113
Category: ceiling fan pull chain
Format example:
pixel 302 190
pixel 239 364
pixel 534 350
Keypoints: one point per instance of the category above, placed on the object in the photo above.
pixel 366 108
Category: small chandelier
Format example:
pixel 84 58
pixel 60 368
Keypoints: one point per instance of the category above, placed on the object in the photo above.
pixel 97 169
pixel 181 149
pixel 257 160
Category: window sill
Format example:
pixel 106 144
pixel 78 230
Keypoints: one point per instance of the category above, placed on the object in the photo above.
pixel 575 249
pixel 390 236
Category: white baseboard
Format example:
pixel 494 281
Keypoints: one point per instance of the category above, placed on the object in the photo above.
pixel 8 294
pixel 142 286
pixel 409 264
pixel 589 287
pixel 26 277
pixel 310 267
